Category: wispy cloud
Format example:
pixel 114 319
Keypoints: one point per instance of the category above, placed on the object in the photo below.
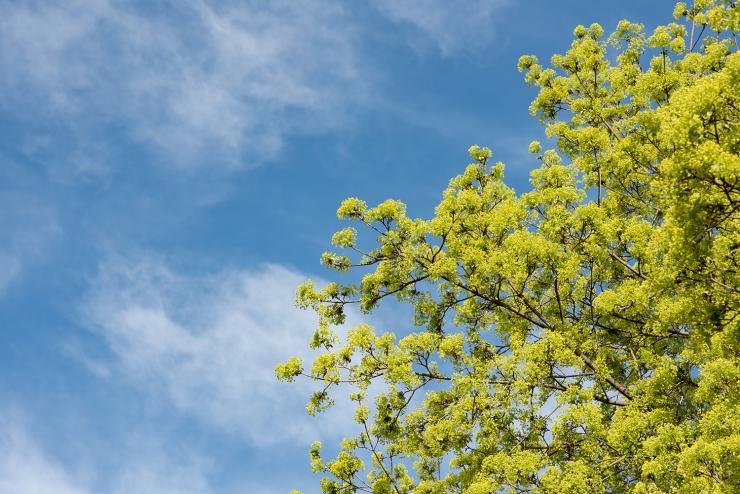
pixel 29 227
pixel 203 84
pixel 209 345
pixel 199 83
pixel 450 25
pixel 25 468
pixel 144 466
pixel 155 470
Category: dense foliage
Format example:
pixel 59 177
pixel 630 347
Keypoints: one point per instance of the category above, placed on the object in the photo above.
pixel 580 337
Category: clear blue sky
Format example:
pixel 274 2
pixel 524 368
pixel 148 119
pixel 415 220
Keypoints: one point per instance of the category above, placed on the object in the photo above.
pixel 170 171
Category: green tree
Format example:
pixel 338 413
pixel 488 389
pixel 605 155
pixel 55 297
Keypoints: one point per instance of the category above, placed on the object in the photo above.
pixel 580 337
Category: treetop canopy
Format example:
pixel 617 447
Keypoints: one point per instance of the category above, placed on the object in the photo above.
pixel 582 336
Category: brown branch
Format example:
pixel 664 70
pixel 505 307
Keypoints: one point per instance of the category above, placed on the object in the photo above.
pixel 626 265
pixel 614 383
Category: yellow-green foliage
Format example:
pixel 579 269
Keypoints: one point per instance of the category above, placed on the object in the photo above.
pixel 583 336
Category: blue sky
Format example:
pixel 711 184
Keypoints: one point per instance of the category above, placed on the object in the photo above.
pixel 170 171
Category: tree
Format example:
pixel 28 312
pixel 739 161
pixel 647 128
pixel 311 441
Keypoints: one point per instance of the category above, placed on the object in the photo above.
pixel 583 336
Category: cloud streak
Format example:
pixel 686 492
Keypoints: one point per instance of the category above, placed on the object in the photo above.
pixel 197 83
pixel 218 85
pixel 450 25
pixel 26 469
pixel 143 466
pixel 30 226
pixel 210 344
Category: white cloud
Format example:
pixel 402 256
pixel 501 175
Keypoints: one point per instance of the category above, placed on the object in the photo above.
pixel 451 25
pixel 202 83
pixel 156 471
pixel 181 479
pixel 144 466
pixel 209 345
pixel 199 82
pixel 26 469
pixel 30 226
